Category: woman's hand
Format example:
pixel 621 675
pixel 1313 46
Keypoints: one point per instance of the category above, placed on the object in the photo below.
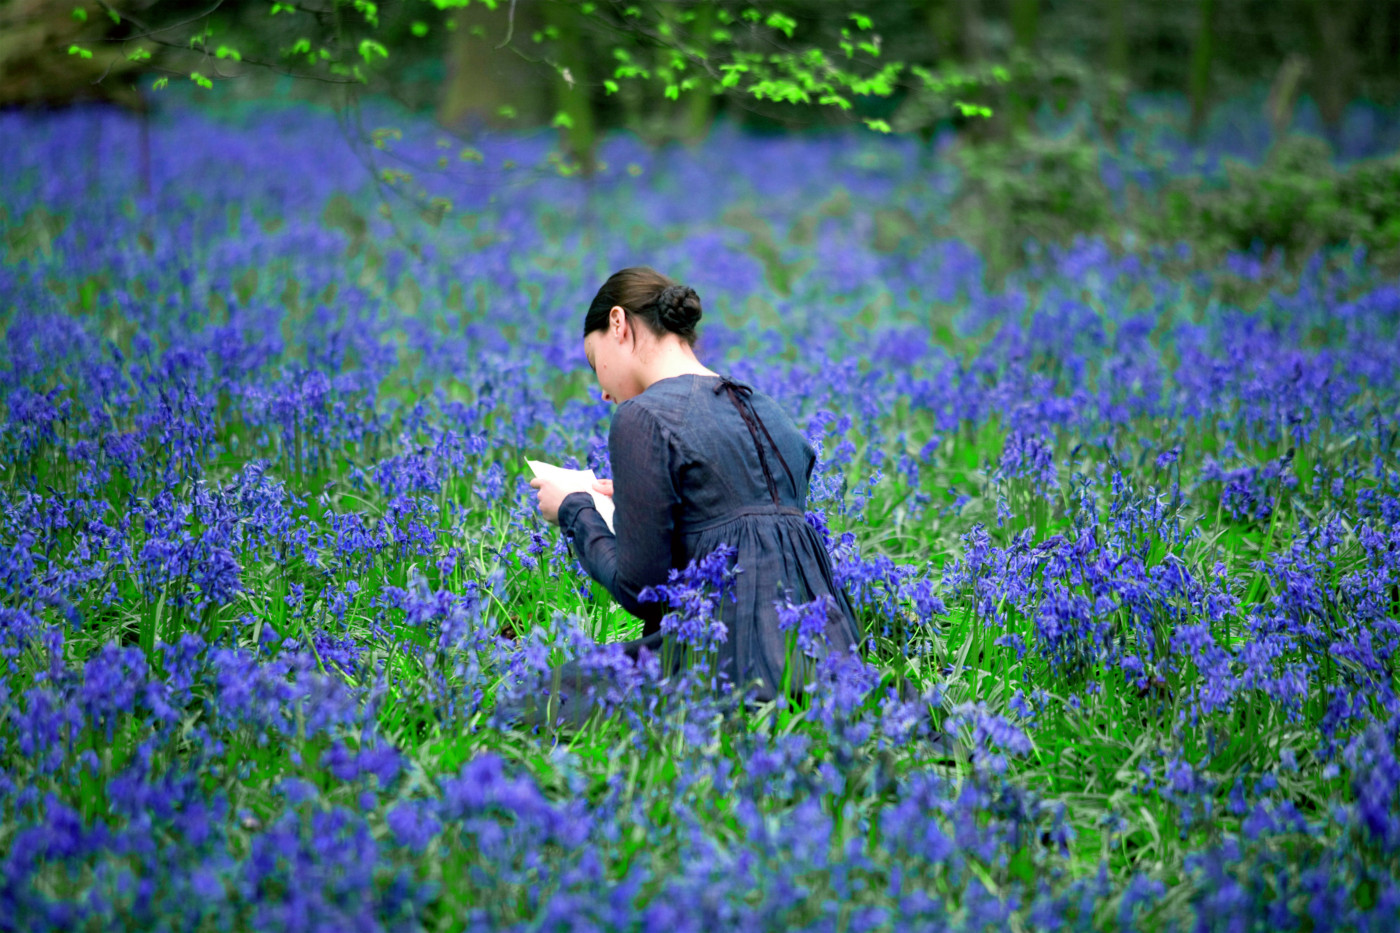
pixel 550 496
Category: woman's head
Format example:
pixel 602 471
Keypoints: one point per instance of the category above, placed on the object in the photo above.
pixel 637 311
pixel 666 306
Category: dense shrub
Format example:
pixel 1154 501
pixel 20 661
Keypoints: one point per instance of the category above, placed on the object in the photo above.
pixel 1034 187
pixel 1050 189
pixel 1297 200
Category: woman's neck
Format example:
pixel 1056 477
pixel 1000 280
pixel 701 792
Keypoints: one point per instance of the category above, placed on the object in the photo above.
pixel 671 358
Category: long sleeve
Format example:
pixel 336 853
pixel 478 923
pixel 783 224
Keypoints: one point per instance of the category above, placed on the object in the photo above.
pixel 646 501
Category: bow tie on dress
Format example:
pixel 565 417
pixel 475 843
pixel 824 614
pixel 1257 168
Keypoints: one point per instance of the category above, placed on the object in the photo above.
pixel 738 394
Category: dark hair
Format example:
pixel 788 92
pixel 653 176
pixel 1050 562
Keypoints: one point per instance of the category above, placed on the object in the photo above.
pixel 664 304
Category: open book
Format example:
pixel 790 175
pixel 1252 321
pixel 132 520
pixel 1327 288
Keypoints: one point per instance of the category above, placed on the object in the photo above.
pixel 575 481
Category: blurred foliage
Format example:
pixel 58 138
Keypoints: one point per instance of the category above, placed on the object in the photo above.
pixel 1032 188
pixel 987 72
pixel 828 59
pixel 1036 190
pixel 1298 200
pixel 663 68
pixel 51 53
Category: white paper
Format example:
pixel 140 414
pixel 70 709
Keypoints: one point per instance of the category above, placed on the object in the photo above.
pixel 575 481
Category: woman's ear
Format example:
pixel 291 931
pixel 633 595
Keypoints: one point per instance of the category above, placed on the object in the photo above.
pixel 617 319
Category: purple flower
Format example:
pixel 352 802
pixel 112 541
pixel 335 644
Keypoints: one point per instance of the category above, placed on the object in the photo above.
pixel 413 823
pixel 809 621
pixel 695 595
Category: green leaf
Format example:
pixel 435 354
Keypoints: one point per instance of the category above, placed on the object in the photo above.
pixel 113 15
pixel 370 48
pixel 506 111
pixel 972 110
pixel 80 14
pixel 202 81
pixel 784 23
pixel 471 154
pixel 301 46
pixel 159 83
pixel 673 92
pixel 139 55
pixel 226 52
pixel 862 22
pixel 879 126
pixel 369 10
pixel 609 86
pixel 79 51
pixel 419 28
pixel 281 8
pixel 562 119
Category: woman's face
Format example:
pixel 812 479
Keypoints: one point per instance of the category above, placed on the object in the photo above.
pixel 611 354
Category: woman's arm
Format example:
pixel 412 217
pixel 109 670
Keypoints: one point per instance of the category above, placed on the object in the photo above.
pixel 646 500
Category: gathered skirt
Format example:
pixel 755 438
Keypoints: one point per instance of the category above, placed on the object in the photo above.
pixel 778 556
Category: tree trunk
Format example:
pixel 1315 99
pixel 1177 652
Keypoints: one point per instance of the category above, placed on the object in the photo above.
pixel 970 24
pixel 699 102
pixel 572 91
pixel 1201 59
pixel 482 79
pixel 946 21
pixel 1025 21
pixel 1117 24
pixel 1283 94
pixel 943 22
pixel 37 68
pixel 1333 63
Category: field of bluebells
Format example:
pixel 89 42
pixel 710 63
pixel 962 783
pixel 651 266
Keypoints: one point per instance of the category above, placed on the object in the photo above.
pixel 1123 529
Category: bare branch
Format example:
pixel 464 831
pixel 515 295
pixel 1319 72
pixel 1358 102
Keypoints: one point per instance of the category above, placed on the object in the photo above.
pixel 510 27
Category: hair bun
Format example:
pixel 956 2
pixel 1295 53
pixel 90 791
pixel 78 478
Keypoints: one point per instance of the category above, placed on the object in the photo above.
pixel 678 308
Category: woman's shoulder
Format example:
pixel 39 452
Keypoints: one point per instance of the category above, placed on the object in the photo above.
pixel 674 407
pixel 643 415
pixel 671 398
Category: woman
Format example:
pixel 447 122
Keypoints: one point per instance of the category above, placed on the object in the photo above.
pixel 698 460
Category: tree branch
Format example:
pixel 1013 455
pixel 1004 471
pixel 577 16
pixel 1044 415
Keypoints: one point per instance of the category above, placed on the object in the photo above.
pixel 510 27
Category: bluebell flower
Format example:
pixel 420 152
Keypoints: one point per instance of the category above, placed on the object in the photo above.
pixel 694 594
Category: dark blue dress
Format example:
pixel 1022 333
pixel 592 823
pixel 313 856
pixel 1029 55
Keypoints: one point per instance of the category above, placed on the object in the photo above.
pixel 699 461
